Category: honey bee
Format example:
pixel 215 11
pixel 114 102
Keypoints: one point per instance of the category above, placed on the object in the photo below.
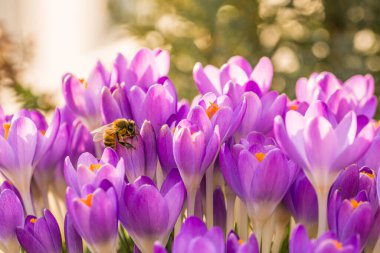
pixel 119 131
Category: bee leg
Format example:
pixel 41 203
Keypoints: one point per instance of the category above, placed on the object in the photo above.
pixel 128 145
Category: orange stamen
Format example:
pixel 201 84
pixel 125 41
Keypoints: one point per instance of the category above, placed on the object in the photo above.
pixel 260 156
pixel 338 245
pixel 293 107
pixel 94 166
pixel 240 242
pixel 88 200
pixel 85 84
pixel 6 127
pixel 33 220
pixel 212 109
pixel 368 174
pixel 355 204
pixel 43 132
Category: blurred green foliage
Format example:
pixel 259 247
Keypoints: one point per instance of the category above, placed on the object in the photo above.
pixel 301 36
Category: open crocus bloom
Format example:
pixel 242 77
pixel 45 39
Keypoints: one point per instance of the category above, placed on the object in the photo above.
pixel 300 243
pixel 321 146
pixel 22 147
pixel 235 77
pixel 40 234
pixel 149 214
pixel 94 216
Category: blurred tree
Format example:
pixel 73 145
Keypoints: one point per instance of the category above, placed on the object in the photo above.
pixel 12 59
pixel 301 36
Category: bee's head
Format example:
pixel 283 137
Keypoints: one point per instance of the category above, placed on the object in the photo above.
pixel 131 128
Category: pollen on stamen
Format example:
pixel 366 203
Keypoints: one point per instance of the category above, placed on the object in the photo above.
pixel 6 127
pixel 240 242
pixel 355 204
pixel 88 200
pixel 33 220
pixel 85 84
pixel 338 245
pixel 212 110
pixel 260 156
pixel 368 174
pixel 92 166
pixel 293 107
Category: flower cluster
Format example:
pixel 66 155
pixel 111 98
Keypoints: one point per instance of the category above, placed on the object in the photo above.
pixel 125 165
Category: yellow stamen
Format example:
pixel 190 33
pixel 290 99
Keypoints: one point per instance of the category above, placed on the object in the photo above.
pixel 368 174
pixel 293 107
pixel 338 245
pixel 6 127
pixel 212 109
pixel 94 166
pixel 355 204
pixel 33 220
pixel 377 124
pixel 88 200
pixel 260 156
pixel 85 84
pixel 240 242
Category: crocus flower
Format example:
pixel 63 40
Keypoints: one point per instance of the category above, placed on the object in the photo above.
pixel 259 174
pixel 351 217
pixel 357 93
pixel 23 146
pixel 141 159
pixel 40 234
pixel 156 103
pixel 115 103
pixel 219 210
pixel 234 78
pixel 194 237
pixel 72 238
pixel 370 158
pixel 328 242
pixel 11 216
pixel 322 147
pixel 91 171
pixel 83 97
pixel 95 217
pixel 261 112
pixel 149 214
pixel 195 144
pixel 301 201
pixel 144 70
pixel 236 245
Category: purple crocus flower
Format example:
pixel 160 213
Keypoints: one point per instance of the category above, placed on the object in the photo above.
pixel 149 214
pixel 11 216
pixel 91 171
pixel 144 70
pixel 94 215
pixel 141 160
pixel 194 237
pixel 261 112
pixel 322 147
pixel 156 103
pixel 195 144
pixel 236 245
pixel 328 242
pixel 23 146
pixel 259 174
pixel 115 103
pixel 40 234
pixel 72 238
pixel 83 97
pixel 371 157
pixel 234 78
pixel 357 93
pixel 351 217
pixel 301 201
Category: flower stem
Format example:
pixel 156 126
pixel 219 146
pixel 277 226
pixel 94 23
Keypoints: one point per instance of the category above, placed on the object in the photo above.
pixel 322 195
pixel 268 230
pixel 242 220
pixel 27 200
pixel 209 196
pixel 230 197
pixel 191 193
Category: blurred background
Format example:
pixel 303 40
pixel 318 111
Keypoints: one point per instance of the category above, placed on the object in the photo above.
pixel 40 40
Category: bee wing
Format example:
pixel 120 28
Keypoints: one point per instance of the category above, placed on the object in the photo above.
pixel 98 133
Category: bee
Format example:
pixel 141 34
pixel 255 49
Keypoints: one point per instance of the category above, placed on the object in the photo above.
pixel 119 131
